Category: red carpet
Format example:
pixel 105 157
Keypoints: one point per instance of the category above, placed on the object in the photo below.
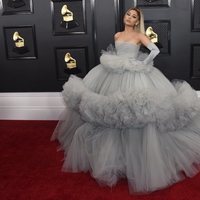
pixel 30 169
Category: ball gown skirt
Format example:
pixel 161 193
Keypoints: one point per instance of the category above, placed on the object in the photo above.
pixel 125 119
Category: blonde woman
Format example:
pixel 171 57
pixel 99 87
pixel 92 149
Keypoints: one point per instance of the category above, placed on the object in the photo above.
pixel 125 119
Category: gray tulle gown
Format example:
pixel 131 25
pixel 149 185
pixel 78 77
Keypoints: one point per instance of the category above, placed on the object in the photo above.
pixel 127 120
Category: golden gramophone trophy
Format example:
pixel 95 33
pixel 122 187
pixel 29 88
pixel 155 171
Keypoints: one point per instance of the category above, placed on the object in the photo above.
pixel 153 36
pixel 19 44
pixel 16 3
pixel 68 21
pixel 71 64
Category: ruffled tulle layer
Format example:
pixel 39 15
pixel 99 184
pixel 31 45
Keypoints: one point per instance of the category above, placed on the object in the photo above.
pixel 149 159
pixel 133 109
pixel 130 121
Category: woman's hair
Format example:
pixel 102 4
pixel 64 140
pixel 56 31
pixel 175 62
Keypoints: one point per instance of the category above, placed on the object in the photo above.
pixel 139 27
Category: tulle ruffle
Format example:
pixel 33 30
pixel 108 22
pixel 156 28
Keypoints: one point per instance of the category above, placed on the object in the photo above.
pixel 125 119
pixel 111 61
pixel 134 109
pixel 148 159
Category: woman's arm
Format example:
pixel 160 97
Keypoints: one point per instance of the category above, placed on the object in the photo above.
pixel 154 51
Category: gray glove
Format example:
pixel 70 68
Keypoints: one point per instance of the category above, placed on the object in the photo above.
pixel 154 52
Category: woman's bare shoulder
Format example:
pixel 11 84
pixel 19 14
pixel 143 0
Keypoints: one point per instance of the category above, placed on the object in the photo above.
pixel 117 35
pixel 144 39
pixel 141 35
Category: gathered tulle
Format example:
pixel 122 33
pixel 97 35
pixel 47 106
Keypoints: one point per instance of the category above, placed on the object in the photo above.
pixel 118 64
pixel 133 109
pixel 149 160
pixel 115 63
pixel 127 120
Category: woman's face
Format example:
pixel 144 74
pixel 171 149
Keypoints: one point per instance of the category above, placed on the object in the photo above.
pixel 131 18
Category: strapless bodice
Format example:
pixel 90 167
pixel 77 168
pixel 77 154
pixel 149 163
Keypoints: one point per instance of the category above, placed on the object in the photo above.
pixel 127 49
pixel 125 56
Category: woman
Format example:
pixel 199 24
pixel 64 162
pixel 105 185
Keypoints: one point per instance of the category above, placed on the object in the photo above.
pixel 125 119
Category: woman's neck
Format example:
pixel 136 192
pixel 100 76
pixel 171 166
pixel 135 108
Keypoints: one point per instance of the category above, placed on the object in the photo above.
pixel 129 29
